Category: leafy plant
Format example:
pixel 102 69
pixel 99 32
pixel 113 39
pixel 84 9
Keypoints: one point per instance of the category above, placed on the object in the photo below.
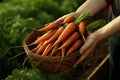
pixel 30 74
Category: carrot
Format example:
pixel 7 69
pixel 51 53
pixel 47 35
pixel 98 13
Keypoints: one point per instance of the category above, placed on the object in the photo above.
pixel 41 48
pixel 55 47
pixel 74 47
pixel 71 27
pixel 82 26
pixel 55 36
pixel 47 49
pixel 61 53
pixel 36 48
pixel 50 26
pixel 45 37
pixel 68 19
pixel 63 50
pixel 74 36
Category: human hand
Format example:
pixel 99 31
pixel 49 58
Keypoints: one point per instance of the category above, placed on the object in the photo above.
pixel 75 14
pixel 88 47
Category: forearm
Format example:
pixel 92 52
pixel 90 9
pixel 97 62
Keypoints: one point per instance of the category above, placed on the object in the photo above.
pixel 91 6
pixel 110 29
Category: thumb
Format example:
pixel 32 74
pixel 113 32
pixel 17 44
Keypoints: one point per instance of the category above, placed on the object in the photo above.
pixel 84 47
pixel 59 20
pixel 82 57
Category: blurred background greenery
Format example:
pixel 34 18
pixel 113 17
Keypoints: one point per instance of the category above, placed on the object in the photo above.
pixel 19 17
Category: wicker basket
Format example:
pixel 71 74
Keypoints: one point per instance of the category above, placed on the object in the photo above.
pixel 48 63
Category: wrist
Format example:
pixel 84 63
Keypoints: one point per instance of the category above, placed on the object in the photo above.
pixel 76 14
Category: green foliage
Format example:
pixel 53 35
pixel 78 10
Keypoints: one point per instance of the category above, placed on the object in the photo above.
pixel 30 74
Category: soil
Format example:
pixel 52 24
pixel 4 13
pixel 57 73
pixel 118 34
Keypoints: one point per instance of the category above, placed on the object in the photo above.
pixel 84 69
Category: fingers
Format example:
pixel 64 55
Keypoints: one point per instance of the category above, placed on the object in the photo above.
pixel 84 55
pixel 75 14
pixel 86 49
pixel 60 19
pixel 80 59
pixel 91 41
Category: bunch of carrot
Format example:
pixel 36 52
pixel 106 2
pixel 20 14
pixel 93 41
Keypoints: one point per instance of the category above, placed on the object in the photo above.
pixel 61 39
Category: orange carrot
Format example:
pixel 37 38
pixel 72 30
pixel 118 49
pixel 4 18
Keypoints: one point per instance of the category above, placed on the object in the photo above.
pixel 47 49
pixel 36 48
pixel 54 49
pixel 50 26
pixel 71 27
pixel 74 36
pixel 56 35
pixel 82 26
pixel 61 53
pixel 74 47
pixel 41 48
pixel 68 19
pixel 45 37
pixel 63 50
